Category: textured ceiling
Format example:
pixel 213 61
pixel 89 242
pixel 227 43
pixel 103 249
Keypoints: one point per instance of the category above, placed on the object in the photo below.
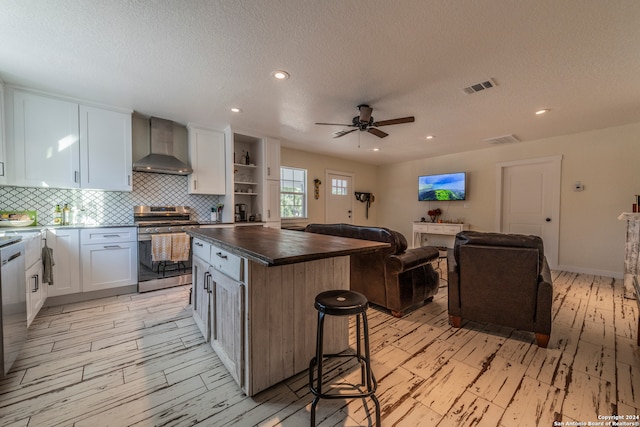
pixel 191 61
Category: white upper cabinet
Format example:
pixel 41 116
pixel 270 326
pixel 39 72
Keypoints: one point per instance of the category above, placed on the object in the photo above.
pixel 105 149
pixel 272 203
pixel 45 141
pixel 272 158
pixel 61 144
pixel 207 158
pixel 3 153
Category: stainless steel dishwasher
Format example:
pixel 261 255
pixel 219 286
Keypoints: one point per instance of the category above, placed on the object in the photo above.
pixel 13 299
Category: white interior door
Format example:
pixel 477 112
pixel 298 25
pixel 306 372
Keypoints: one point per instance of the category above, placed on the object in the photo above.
pixel 529 201
pixel 339 193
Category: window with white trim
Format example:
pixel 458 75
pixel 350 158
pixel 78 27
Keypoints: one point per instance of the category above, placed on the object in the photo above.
pixel 293 192
pixel 339 187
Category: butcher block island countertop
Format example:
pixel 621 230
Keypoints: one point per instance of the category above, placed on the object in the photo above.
pixel 271 246
pixel 254 290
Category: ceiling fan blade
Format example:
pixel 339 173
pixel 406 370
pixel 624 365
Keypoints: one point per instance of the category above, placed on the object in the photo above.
pixel 377 132
pixel 365 113
pixel 335 124
pixel 343 133
pixel 395 121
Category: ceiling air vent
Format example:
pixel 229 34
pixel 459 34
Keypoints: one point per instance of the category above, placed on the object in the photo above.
pixel 479 86
pixel 506 139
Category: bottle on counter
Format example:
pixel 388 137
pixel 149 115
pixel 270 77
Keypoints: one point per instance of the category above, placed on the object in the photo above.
pixel 57 215
pixel 73 216
pixel 66 213
pixel 214 214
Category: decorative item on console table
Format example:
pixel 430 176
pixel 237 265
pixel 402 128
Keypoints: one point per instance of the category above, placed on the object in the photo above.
pixel 434 214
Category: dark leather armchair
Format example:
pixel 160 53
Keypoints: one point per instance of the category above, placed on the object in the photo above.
pixel 503 279
pixel 396 278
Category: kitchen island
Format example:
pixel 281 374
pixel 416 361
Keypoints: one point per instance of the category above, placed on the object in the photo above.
pixel 253 296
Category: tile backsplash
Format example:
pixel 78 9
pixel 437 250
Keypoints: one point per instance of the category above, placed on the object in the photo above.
pixel 110 207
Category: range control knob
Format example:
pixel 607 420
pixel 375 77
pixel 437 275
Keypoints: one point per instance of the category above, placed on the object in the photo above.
pixel 169 229
pixel 157 229
pixel 147 230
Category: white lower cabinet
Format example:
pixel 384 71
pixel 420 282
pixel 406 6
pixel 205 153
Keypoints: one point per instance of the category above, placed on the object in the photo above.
pixel 36 291
pixel 66 254
pixel 219 304
pixel 200 285
pixel 109 258
pixel 92 259
pixel 227 323
pixel 35 288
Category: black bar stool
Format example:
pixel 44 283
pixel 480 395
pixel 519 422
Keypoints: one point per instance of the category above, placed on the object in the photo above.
pixel 343 303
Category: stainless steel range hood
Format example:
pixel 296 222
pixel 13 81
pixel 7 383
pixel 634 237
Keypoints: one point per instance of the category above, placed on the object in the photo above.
pixel 161 158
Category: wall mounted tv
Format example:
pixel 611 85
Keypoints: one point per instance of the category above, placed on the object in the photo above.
pixel 442 187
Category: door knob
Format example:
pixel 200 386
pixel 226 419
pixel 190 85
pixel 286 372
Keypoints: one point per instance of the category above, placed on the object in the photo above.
pixel 548 219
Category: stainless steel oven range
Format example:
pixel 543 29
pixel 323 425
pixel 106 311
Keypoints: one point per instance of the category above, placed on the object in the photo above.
pixel 164 249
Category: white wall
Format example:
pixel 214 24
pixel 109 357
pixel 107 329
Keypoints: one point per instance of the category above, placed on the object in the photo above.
pixel 591 237
pixel 316 165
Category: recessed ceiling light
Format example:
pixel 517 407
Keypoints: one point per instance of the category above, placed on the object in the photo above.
pixel 236 110
pixel 376 149
pixel 430 136
pixel 544 110
pixel 280 75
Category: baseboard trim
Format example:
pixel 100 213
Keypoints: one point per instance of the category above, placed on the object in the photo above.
pixel 595 272
pixel 86 296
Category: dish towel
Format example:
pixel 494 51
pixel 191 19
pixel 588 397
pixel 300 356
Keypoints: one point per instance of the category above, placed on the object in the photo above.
pixel 180 246
pixel 47 264
pixel 160 247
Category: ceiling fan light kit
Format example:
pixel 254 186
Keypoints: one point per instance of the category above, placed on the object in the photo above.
pixel 366 122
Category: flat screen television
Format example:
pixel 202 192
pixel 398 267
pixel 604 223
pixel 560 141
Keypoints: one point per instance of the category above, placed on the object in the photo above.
pixel 442 187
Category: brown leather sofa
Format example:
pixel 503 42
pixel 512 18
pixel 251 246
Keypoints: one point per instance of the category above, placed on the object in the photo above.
pixel 503 279
pixel 395 278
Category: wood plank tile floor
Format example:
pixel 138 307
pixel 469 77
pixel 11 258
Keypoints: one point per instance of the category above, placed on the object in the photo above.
pixel 139 360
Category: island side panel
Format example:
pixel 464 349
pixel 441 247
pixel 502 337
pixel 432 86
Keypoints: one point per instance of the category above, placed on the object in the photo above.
pixel 281 327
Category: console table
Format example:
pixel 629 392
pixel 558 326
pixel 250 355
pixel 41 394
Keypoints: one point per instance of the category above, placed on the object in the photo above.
pixel 436 233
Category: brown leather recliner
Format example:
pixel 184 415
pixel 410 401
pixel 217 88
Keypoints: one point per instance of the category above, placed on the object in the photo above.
pixel 396 278
pixel 503 279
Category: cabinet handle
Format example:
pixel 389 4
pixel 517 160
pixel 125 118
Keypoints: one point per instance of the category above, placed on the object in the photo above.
pixel 268 170
pixel 221 255
pixel 112 247
pixel 75 176
pixel 195 184
pixel 110 235
pixel 214 315
pixel 2 168
pixel 128 179
pixel 205 285
pixel 36 282
pixel 198 244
